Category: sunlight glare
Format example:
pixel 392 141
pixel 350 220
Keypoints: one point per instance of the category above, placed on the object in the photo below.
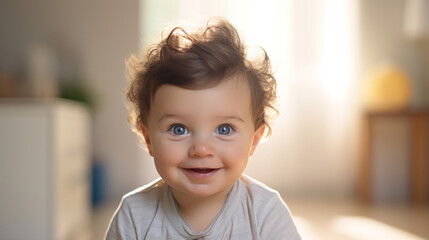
pixel 369 229
pixel 338 52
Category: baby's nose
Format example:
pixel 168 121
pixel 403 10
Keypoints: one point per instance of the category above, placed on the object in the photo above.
pixel 202 146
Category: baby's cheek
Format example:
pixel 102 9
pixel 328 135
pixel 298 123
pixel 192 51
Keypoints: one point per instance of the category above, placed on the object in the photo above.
pixel 234 154
pixel 170 153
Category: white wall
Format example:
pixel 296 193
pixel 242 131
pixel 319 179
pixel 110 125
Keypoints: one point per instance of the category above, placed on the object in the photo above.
pixel 99 36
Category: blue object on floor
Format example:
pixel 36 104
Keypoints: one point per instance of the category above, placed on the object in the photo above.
pixel 98 181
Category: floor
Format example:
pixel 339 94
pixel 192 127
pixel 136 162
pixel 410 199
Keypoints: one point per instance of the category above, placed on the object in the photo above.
pixel 348 220
pixel 333 220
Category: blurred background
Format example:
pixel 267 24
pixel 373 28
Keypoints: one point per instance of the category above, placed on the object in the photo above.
pixel 348 150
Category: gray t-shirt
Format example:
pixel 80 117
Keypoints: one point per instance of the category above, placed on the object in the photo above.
pixel 251 211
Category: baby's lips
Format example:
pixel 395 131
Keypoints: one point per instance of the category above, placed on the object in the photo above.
pixel 202 170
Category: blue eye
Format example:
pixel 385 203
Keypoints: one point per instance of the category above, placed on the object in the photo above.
pixel 224 129
pixel 178 130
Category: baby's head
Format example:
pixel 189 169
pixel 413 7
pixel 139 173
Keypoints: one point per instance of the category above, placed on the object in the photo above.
pixel 201 107
pixel 199 60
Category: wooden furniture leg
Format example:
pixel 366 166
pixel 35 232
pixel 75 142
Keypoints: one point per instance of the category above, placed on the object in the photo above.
pixel 366 168
pixel 419 145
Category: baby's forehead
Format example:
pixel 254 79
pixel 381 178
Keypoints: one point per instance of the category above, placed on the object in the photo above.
pixel 236 80
pixel 225 92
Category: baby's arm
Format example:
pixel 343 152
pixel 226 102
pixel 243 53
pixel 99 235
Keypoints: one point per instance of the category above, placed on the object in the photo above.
pixel 277 222
pixel 121 226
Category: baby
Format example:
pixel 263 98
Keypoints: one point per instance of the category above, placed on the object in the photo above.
pixel 201 107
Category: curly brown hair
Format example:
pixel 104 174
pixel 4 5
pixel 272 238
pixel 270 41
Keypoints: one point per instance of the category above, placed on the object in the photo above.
pixel 197 60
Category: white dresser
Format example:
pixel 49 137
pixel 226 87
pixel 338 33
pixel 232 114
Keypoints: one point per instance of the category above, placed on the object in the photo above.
pixel 44 170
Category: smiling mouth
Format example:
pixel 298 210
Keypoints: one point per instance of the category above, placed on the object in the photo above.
pixel 201 173
pixel 202 170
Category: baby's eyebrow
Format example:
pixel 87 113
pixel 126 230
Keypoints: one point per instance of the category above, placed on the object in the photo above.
pixel 224 118
pixel 233 118
pixel 166 116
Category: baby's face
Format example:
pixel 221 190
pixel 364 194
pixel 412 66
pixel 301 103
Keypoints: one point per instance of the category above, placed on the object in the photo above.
pixel 201 139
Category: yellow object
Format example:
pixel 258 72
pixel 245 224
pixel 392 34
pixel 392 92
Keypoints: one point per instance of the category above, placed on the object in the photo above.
pixel 388 88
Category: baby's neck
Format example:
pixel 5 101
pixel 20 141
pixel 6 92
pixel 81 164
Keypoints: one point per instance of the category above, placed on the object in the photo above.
pixel 199 213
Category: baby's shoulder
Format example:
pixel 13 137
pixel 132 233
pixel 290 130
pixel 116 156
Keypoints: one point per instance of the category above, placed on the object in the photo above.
pixel 136 209
pixel 271 214
pixel 257 188
pixel 144 196
pixel 260 195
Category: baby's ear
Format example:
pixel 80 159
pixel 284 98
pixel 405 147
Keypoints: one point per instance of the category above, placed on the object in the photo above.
pixel 146 136
pixel 257 136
